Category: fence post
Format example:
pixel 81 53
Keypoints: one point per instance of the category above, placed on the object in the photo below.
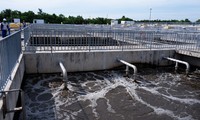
pixel 176 39
pixel 123 41
pixel 151 39
pixel 198 42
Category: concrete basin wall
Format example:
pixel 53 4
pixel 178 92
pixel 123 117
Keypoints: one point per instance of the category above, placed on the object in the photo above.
pixel 91 61
pixel 14 83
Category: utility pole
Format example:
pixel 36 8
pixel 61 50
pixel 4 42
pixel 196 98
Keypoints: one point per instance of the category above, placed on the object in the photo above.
pixel 150 15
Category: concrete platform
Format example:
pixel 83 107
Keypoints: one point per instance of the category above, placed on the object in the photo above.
pixel 191 53
pixel 192 57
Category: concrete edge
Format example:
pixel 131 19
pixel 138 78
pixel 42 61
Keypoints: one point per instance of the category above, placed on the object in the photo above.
pixel 91 61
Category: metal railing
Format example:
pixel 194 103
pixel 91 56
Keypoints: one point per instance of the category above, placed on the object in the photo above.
pixel 188 41
pixel 10 50
pixel 27 34
pixel 70 27
pixel 75 38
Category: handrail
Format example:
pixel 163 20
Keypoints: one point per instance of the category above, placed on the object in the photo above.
pixel 64 73
pixel 179 61
pixel 129 65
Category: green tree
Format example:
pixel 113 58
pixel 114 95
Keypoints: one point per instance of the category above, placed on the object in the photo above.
pixel 15 14
pixel 28 16
pixel 61 18
pixel 123 18
pixel 79 20
pixel 40 12
pixel 187 20
pixel 7 14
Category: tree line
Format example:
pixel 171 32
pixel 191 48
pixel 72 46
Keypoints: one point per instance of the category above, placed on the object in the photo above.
pixel 53 18
pixel 50 18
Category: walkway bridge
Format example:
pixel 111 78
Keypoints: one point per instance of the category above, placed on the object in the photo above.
pixel 40 49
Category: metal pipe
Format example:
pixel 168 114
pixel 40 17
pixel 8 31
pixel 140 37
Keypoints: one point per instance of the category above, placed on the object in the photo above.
pixel 127 69
pixel 179 61
pixel 64 72
pixel 128 65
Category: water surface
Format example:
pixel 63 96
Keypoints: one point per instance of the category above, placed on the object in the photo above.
pixel 159 93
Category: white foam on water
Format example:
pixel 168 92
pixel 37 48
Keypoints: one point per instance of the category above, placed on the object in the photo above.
pixel 70 87
pixel 48 109
pixel 173 82
pixel 105 86
pixel 109 108
pixel 94 96
pixel 68 114
pixel 130 87
pixel 182 100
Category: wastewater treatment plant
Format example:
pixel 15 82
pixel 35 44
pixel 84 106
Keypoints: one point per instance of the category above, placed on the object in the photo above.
pixel 101 72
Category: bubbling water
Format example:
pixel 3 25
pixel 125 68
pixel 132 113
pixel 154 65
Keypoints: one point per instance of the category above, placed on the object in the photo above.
pixel 109 95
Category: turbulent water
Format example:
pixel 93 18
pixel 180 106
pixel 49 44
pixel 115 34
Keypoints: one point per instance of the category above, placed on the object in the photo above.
pixel 158 93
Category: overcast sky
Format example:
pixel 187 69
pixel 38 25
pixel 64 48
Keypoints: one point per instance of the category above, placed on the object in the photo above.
pixel 135 9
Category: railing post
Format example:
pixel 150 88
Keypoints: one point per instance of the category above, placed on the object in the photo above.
pixel 151 39
pixel 123 41
pixel 4 104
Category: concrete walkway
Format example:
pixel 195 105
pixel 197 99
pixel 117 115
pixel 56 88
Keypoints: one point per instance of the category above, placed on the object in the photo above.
pixel 191 53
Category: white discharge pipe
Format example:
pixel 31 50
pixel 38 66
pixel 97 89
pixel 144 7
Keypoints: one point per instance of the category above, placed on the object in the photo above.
pixel 179 61
pixel 64 72
pixel 129 65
